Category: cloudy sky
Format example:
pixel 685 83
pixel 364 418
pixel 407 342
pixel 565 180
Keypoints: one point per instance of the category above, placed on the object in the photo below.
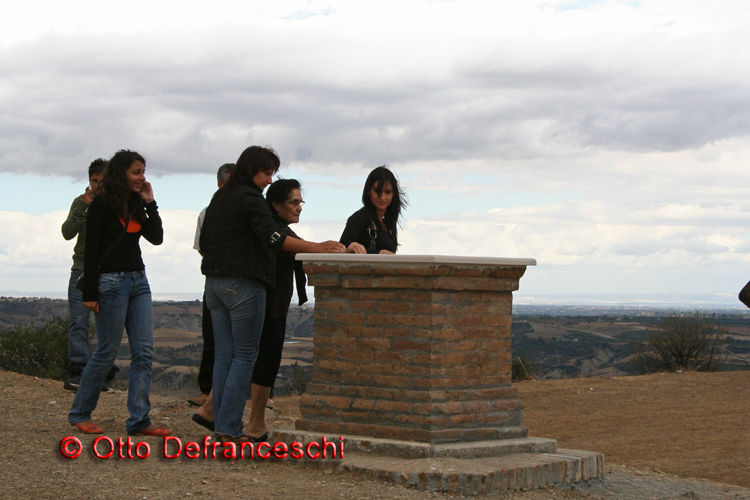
pixel 608 140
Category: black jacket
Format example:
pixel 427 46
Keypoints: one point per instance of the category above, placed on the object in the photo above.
pixel 103 227
pixel 239 237
pixel 358 229
pixel 287 269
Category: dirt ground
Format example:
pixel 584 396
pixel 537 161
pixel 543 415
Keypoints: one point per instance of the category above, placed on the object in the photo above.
pixel 633 421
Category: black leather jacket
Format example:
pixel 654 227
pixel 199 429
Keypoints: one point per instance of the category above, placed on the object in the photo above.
pixel 239 237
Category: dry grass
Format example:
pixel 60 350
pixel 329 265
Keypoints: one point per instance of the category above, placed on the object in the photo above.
pixel 689 424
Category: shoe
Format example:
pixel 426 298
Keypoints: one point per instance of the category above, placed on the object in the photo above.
pixel 225 438
pixel 261 439
pixel 199 401
pixel 269 404
pixel 89 428
pixel 157 431
pixel 203 421
pixel 72 383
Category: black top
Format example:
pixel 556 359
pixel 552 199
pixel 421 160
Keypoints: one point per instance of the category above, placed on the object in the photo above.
pixel 239 237
pixel 278 299
pixel 358 228
pixel 103 227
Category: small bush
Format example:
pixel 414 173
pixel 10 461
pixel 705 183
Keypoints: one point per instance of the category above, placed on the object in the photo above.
pixel 298 380
pixel 37 351
pixel 687 342
pixel 522 369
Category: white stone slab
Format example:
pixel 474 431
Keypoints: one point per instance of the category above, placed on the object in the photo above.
pixel 350 258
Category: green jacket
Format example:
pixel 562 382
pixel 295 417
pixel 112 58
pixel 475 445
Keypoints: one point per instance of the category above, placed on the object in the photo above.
pixel 74 225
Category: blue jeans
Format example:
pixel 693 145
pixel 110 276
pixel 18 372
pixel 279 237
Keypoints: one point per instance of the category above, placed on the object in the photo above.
pixel 237 307
pixel 78 324
pixel 124 301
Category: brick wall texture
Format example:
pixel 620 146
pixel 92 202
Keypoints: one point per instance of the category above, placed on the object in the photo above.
pixel 413 352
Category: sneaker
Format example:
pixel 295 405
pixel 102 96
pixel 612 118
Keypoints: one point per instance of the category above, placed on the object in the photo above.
pixel 199 401
pixel 72 383
pixel 269 404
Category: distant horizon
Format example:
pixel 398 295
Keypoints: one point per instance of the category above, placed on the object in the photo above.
pixel 709 302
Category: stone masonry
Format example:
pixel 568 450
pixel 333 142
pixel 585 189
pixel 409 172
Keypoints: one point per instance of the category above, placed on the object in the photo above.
pixel 414 348
pixel 412 374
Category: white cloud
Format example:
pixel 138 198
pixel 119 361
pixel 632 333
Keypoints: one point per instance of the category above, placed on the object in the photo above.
pixel 612 138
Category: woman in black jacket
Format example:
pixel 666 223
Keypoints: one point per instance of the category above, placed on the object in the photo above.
pixel 240 241
pixel 116 289
pixel 374 228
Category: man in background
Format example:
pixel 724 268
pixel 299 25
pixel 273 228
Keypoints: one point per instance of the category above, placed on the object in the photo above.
pixel 78 316
pixel 206 371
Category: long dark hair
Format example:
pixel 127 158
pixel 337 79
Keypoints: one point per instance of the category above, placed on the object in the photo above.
pixel 382 176
pixel 115 192
pixel 279 191
pixel 252 160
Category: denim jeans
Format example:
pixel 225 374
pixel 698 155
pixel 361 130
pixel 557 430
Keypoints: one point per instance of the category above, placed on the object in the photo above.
pixel 237 308
pixel 78 324
pixel 124 301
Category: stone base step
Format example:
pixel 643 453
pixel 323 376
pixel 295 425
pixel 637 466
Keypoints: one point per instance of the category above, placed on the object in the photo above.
pixel 412 449
pixel 477 476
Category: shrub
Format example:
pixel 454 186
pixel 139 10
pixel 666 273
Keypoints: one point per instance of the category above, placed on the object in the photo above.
pixel 522 369
pixel 685 342
pixel 298 380
pixel 37 351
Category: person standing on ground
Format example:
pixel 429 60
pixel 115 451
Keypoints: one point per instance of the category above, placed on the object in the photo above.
pixel 239 241
pixel 206 371
pixel 284 199
pixel 116 289
pixel 78 316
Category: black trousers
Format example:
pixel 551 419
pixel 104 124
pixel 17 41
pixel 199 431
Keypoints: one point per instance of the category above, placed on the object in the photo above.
pixel 206 372
pixel 269 352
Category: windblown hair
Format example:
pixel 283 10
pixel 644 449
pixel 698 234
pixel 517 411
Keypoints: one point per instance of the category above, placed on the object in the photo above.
pixel 381 176
pixel 115 192
pixel 279 191
pixel 97 166
pixel 252 160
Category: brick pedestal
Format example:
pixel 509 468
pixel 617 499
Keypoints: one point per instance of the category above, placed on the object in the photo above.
pixel 413 348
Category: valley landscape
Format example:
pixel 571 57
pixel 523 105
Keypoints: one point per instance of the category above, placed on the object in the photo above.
pixel 557 343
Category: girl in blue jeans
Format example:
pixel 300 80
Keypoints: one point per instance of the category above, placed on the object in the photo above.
pixel 116 289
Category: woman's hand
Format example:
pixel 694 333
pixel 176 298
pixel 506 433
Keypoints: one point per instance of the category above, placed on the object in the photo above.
pixel 330 247
pixel 384 252
pixel 147 193
pixel 92 306
pixel 355 247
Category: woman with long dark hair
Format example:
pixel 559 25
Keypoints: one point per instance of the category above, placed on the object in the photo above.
pixel 374 227
pixel 240 240
pixel 116 289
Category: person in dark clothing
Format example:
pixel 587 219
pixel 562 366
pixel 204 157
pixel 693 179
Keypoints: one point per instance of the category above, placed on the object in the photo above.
pixel 78 315
pixel 284 198
pixel 239 241
pixel 116 289
pixel 374 227
pixel 206 370
pixel 285 202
